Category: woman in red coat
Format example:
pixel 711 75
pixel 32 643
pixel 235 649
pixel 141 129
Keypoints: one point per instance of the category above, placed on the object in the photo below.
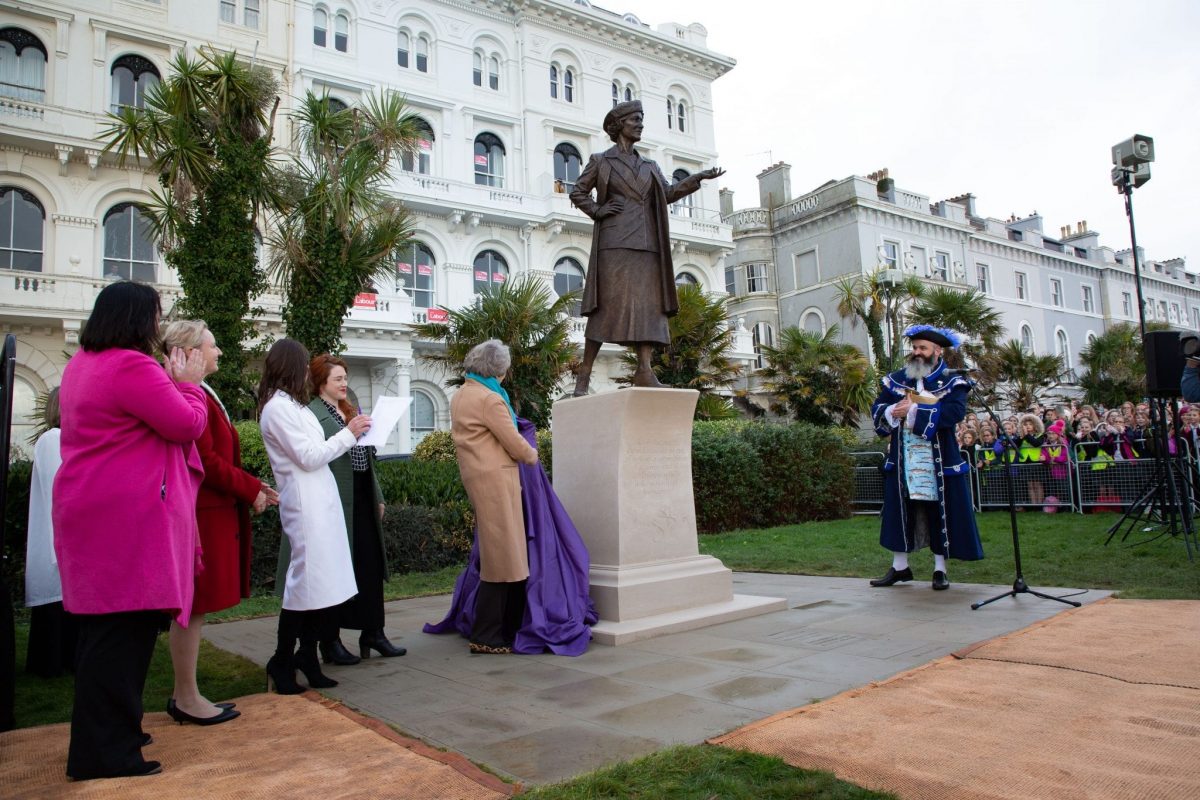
pixel 223 515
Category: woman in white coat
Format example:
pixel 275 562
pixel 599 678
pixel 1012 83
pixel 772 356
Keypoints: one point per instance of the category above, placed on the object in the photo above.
pixel 52 631
pixel 320 574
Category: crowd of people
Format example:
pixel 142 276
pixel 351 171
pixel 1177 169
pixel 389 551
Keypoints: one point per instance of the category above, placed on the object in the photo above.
pixel 140 524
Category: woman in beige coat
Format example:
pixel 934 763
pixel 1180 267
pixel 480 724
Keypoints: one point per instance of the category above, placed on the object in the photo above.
pixel 484 428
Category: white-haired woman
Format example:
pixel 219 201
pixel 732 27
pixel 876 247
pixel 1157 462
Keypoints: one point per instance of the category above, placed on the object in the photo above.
pixel 223 516
pixel 484 427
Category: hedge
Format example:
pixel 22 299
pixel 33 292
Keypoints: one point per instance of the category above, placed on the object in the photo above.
pixel 744 475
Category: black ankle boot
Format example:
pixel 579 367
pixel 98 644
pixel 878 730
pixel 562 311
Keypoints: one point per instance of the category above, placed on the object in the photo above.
pixel 336 653
pixel 375 640
pixel 306 662
pixel 281 676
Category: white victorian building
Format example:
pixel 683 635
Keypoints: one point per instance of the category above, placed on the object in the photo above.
pixel 511 96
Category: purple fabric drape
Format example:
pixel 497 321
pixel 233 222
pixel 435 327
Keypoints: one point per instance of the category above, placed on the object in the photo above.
pixel 558 609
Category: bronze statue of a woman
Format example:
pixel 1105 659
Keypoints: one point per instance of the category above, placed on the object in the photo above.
pixel 630 288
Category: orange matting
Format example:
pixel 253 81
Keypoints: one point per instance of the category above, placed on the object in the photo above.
pixel 1102 702
pixel 295 747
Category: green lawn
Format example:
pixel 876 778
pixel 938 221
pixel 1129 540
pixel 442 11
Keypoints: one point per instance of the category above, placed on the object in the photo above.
pixel 1056 550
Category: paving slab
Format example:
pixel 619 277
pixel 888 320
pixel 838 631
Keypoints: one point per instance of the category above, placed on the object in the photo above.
pixel 539 719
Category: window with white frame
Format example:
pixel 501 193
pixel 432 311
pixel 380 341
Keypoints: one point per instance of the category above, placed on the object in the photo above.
pixel 983 278
pixel 941 266
pixel 341 32
pixel 485 70
pixel 489 160
pixel 562 83
pixel 683 206
pixel 1056 293
pixel 670 113
pixel 320 26
pixel 412 50
pixel 477 68
pixel 403 48
pixel 415 268
pixel 493 63
pixel 730 279
pixel 22 220
pixel 1063 348
pixel 129 251
pixel 917 254
pixel 1162 310
pixel 1022 282
pixel 889 254
pixel 812 323
pixel 1089 302
pixel 756 278
pixel 22 65
pixel 249 16
pixel 422 419
pixel 568 277
pixel 423 47
pixel 1026 338
pixel 132 77
pixel 1196 317
pixel 1127 304
pixel 421 160
pixel 681 116
pixel 763 336
pixel 808 270
pixel 567 165
pixel 1175 313
pixel 491 271
pixel 622 92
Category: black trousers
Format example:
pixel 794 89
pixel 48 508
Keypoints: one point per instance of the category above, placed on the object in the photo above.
pixel 307 627
pixel 53 634
pixel 364 611
pixel 499 611
pixel 112 659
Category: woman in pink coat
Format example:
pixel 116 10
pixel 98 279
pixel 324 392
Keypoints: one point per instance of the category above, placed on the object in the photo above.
pixel 124 518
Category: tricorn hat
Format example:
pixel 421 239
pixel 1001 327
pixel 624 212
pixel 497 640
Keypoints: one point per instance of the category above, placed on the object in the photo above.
pixel 943 337
pixel 620 111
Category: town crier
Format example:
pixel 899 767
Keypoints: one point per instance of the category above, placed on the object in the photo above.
pixel 927 497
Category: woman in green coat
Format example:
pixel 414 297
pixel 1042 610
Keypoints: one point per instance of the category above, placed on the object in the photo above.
pixel 362 503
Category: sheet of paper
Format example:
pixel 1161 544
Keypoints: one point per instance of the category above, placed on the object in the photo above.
pixel 384 416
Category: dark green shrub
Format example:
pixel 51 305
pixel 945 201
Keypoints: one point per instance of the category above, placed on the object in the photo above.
pixel 16 522
pixel 423 539
pixel 254 452
pixel 725 479
pixel 545 448
pixel 264 553
pixel 420 483
pixel 436 446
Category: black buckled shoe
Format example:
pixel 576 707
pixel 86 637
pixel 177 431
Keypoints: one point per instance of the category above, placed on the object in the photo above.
pixel 893 576
pixel 940 581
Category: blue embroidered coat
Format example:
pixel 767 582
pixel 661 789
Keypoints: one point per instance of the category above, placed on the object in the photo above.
pixel 958 534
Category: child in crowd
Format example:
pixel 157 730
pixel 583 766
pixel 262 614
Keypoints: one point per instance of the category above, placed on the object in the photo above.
pixel 1054 453
pixel 1030 452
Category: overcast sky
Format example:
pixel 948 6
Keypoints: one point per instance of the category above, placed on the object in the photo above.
pixel 1017 102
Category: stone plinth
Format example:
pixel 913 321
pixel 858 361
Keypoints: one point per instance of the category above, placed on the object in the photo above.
pixel 623 470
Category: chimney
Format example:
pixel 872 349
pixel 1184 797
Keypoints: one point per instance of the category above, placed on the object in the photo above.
pixel 726 196
pixel 775 185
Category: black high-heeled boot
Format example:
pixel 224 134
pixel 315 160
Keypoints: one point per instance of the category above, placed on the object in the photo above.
pixel 306 662
pixel 281 676
pixel 336 653
pixel 376 640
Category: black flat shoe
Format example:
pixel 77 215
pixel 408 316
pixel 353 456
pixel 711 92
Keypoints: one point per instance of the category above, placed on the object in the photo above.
pixel 375 640
pixel 336 653
pixel 181 716
pixel 225 705
pixel 940 581
pixel 145 768
pixel 892 576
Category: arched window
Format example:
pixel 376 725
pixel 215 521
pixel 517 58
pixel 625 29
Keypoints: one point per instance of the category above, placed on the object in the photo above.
pixel 320 26
pixel 813 324
pixel 616 94
pixel 621 92
pixel 489 160
pixel 1027 338
pixel 763 336
pixel 628 92
pixel 420 161
pixel 670 113
pixel 491 270
pixel 335 105
pixel 129 251
pixel 422 54
pixel 683 206
pixel 22 65
pixel 403 44
pixel 567 164
pixel 554 81
pixel 131 76
pixel 568 277
pixel 422 417
pixel 341 32
pixel 414 273
pixel 1063 348
pixel 494 73
pixel 681 116
pixel 686 279
pixel 569 85
pixel 22 220
pixel 477 69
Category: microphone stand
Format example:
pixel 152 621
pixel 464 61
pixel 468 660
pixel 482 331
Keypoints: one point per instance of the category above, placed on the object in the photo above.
pixel 1010 447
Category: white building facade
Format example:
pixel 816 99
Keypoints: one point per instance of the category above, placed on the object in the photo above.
pixel 1054 293
pixel 511 96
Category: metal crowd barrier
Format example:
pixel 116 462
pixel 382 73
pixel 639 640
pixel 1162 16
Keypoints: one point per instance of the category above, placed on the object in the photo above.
pixel 1079 486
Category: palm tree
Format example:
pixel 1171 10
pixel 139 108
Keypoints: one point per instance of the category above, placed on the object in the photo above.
pixel 1021 378
pixel 342 229
pixel 878 302
pixel 815 378
pixel 698 354
pixel 1115 369
pixel 205 132
pixel 535 325
pixel 967 312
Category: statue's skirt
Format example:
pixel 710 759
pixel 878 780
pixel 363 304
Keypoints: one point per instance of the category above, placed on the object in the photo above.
pixel 629 299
